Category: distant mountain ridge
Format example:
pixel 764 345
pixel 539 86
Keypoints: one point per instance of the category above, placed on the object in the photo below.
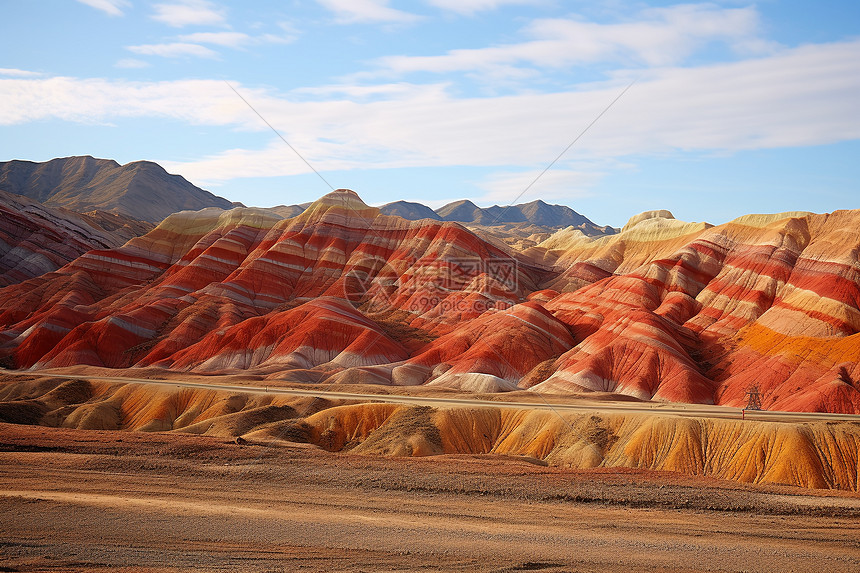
pixel 140 189
pixel 409 211
pixel 537 213
pixel 289 211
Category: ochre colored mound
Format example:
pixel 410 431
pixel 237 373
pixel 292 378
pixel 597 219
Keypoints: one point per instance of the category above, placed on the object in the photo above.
pixel 813 455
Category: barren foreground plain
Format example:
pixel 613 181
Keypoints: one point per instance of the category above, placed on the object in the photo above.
pixel 194 497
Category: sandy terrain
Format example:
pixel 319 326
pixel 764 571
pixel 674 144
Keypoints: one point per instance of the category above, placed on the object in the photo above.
pixel 816 451
pixel 88 500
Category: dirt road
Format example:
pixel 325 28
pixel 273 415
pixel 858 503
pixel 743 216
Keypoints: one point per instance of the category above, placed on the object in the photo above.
pixel 536 401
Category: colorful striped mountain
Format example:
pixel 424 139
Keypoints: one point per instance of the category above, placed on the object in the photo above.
pixel 663 310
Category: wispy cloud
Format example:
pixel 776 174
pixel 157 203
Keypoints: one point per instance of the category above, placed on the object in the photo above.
pixel 18 73
pixel 109 7
pixel 101 100
pixel 474 6
pixel 173 50
pixel 190 45
pixel 228 39
pixel 504 186
pixel 240 39
pixel 658 37
pixel 353 11
pixel 798 97
pixel 131 63
pixel 189 13
pixel 287 34
pixel 366 92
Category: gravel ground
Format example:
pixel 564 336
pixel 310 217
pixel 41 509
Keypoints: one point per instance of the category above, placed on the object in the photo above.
pixel 93 500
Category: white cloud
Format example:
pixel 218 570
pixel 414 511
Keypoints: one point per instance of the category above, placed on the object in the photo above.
pixel 189 45
pixel 352 11
pixel 658 37
pixel 173 50
pixel 799 97
pixel 275 159
pixel 229 39
pixel 109 7
pixel 287 35
pixel 100 100
pixel 131 63
pixel 473 6
pixel 359 92
pixel 189 13
pixel 18 73
pixel 507 187
pixel 278 38
pixel 239 39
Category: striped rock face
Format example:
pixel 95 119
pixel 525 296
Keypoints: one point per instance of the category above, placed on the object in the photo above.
pixel 35 239
pixel 767 300
pixel 664 310
pixel 339 286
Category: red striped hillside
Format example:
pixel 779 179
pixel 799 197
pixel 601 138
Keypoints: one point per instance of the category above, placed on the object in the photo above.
pixel 664 310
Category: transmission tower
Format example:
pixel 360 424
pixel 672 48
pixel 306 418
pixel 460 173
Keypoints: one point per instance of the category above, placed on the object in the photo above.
pixel 753 398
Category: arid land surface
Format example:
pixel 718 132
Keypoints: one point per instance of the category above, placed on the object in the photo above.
pixel 75 500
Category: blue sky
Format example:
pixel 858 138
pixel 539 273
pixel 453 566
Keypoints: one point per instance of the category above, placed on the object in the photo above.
pixel 735 108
